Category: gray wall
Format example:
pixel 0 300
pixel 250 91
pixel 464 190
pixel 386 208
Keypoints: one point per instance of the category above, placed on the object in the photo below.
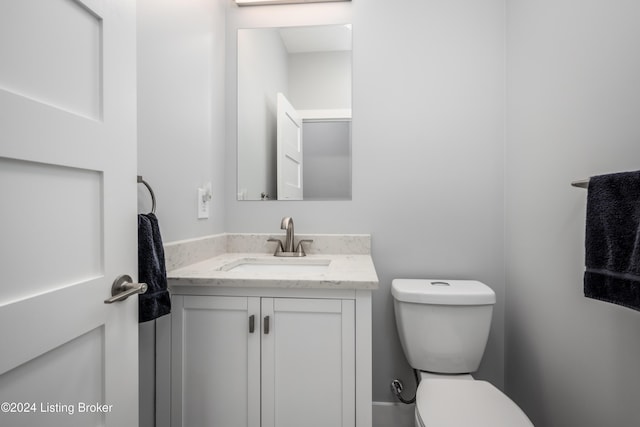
pixel 327 160
pixel 181 111
pixel 573 107
pixel 180 131
pixel 428 152
pixel 263 67
pixel 320 80
pixel 429 175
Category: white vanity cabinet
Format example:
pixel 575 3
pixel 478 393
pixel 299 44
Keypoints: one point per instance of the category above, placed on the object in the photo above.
pixel 261 358
pixel 212 362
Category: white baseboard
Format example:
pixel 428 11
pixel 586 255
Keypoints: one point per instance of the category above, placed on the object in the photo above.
pixel 393 414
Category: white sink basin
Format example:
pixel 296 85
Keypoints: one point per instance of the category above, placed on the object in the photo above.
pixel 278 265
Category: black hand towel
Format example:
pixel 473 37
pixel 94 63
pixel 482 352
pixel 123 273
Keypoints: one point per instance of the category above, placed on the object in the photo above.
pixel 612 240
pixel 156 301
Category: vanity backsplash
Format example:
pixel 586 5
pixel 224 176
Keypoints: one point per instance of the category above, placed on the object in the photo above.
pixel 185 252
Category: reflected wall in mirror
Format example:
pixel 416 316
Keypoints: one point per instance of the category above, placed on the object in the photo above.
pixel 294 113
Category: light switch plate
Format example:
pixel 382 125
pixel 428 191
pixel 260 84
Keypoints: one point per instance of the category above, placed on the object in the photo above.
pixel 203 203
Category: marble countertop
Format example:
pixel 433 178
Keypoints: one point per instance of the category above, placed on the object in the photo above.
pixel 345 271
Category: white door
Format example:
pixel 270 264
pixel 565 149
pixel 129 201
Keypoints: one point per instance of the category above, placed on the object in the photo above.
pixel 308 362
pixel 67 212
pixel 289 151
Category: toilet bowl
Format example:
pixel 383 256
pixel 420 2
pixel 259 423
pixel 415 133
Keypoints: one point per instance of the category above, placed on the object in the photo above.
pixel 444 326
pixel 460 403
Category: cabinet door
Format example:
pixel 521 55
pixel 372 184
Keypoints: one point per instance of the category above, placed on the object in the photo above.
pixel 215 362
pixel 308 363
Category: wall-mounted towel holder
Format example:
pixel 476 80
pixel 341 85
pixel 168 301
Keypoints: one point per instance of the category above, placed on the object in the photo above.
pixel 153 196
pixel 583 183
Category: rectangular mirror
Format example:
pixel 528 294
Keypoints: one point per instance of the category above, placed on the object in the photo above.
pixel 294 113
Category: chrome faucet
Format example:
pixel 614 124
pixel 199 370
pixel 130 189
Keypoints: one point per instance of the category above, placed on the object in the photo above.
pixel 287 249
pixel 287 224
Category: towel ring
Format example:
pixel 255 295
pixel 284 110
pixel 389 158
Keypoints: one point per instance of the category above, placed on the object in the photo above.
pixel 153 196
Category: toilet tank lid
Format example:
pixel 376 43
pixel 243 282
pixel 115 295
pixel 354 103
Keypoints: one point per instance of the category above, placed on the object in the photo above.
pixel 442 292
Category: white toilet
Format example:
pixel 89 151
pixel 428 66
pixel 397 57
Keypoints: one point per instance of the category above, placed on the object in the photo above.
pixel 443 327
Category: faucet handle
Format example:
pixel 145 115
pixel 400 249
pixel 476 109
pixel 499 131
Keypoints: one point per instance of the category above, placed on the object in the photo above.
pixel 279 248
pixel 300 248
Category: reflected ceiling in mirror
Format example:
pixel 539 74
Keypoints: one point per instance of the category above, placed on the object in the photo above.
pixel 294 113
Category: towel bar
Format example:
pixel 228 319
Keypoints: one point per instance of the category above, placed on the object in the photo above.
pixel 153 196
pixel 583 183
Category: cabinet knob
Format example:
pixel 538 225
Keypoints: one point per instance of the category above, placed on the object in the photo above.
pixel 252 323
pixel 266 325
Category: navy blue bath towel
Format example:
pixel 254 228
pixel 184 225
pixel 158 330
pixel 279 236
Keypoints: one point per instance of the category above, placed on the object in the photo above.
pixel 612 243
pixel 156 301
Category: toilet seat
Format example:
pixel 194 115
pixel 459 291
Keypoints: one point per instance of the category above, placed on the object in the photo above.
pixel 455 403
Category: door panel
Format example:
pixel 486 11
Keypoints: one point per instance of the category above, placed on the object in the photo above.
pixel 38 194
pixel 65 373
pixel 289 148
pixel 68 191
pixel 31 46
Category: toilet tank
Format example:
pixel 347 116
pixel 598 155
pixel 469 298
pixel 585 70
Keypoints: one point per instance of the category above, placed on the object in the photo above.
pixel 443 324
